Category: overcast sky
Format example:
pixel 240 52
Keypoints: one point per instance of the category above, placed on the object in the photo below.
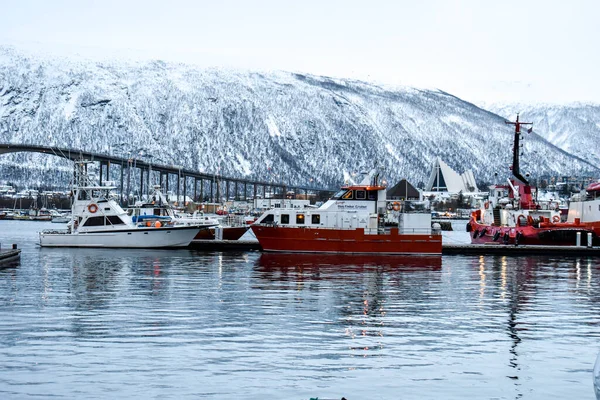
pixel 481 51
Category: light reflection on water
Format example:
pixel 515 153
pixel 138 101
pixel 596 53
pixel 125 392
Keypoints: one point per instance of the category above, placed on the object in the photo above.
pixel 94 323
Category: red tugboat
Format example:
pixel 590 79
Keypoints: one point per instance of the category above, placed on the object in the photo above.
pixel 512 216
pixel 352 221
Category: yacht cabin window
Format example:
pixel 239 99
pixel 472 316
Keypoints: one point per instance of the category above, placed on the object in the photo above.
pixel 114 220
pixel 101 221
pixel 360 195
pixel 315 219
pixel 285 218
pixel 300 219
pixel 348 195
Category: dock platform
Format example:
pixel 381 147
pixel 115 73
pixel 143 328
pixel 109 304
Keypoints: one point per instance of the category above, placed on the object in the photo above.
pixel 484 249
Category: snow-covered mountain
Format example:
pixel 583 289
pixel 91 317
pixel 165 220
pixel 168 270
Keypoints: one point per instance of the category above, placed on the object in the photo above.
pixel 574 128
pixel 280 127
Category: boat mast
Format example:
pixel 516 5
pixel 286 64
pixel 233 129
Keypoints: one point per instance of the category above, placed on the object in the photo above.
pixel 516 149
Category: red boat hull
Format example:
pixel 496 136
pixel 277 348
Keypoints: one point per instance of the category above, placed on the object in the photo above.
pixel 564 234
pixel 319 240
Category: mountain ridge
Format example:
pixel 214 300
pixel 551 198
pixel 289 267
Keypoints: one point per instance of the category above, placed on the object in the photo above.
pixel 291 128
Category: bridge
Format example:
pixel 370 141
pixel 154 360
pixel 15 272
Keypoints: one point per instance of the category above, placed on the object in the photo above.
pixel 209 184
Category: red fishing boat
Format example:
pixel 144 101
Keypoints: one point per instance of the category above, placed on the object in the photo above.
pixel 352 221
pixel 512 215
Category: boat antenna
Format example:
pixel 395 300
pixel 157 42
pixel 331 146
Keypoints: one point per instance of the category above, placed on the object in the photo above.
pixel 515 165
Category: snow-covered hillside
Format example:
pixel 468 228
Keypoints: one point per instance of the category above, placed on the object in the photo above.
pixel 281 127
pixel 574 127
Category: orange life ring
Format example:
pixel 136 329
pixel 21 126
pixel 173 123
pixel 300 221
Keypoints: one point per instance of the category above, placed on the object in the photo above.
pixel 92 208
pixel 396 206
pixel 555 219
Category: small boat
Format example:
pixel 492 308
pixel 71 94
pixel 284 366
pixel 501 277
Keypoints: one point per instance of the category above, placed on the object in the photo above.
pixel 61 219
pixel 512 215
pixel 352 221
pixel 99 221
pixel 157 206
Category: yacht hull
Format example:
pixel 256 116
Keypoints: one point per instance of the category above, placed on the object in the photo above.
pixel 129 238
pixel 350 241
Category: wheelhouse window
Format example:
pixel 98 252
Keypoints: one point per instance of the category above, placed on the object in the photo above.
pixel 300 219
pixel 372 195
pixel 361 195
pixel 315 219
pixel 285 219
pixel 94 221
pixel 348 195
pixel 339 194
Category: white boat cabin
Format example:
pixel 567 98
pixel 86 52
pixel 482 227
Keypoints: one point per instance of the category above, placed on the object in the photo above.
pixel 355 206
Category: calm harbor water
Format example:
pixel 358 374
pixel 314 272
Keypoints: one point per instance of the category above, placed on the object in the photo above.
pixel 77 323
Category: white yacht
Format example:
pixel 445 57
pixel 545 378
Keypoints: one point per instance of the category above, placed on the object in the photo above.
pixel 99 221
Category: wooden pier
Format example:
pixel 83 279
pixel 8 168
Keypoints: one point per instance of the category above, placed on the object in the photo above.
pixel 512 250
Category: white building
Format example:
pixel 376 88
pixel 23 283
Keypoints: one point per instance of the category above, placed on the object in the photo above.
pixel 445 179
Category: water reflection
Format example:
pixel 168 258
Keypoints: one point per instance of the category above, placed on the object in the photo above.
pixel 513 278
pixel 360 287
pixel 522 287
pixel 290 266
